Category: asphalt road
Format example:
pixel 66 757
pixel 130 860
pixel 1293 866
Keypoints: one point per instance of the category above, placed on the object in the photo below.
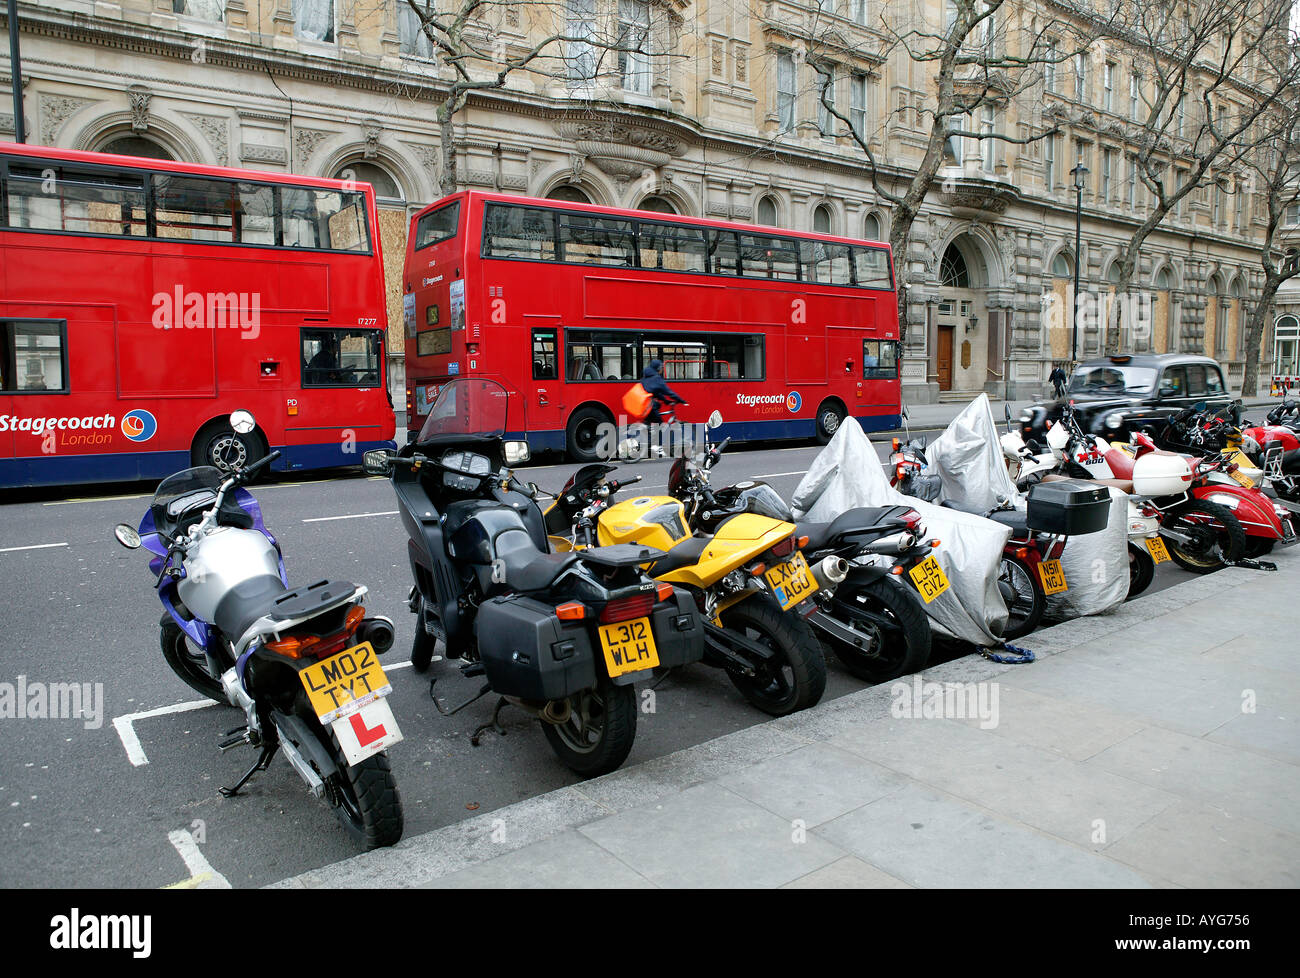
pixel 76 811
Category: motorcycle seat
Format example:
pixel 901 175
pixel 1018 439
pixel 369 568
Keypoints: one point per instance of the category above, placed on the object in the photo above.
pixel 1123 485
pixel 821 535
pixel 680 555
pixel 246 602
pixel 532 570
pixel 1017 519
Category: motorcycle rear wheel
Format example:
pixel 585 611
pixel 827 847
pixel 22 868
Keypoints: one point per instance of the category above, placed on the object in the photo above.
pixel 796 678
pixel 598 735
pixel 365 800
pixel 1141 570
pixel 902 641
pixel 1207 553
pixel 190 666
pixel 1020 589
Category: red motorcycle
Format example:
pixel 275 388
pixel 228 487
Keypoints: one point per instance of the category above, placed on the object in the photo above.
pixel 1275 448
pixel 1258 523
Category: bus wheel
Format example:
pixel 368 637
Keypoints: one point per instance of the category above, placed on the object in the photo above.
pixel 830 415
pixel 217 444
pixel 582 436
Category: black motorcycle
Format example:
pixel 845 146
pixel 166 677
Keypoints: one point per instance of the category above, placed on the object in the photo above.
pixel 562 635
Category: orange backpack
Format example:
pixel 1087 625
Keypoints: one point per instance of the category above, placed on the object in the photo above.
pixel 636 402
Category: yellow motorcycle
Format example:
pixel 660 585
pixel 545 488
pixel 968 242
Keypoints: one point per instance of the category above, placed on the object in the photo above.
pixel 749 579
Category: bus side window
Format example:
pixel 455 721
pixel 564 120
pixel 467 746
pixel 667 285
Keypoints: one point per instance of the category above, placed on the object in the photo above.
pixel 544 354
pixel 879 360
pixel 33 356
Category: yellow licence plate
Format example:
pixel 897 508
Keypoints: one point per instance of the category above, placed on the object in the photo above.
pixel 791 581
pixel 1157 549
pixel 629 646
pixel 1053 576
pixel 929 578
pixel 1245 480
pixel 344 683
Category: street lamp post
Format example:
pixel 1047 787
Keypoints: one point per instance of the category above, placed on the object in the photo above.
pixel 1079 172
pixel 15 70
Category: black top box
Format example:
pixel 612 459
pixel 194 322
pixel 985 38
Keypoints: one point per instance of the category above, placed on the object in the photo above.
pixel 1069 507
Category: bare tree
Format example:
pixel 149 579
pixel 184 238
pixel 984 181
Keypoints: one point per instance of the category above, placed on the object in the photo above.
pixel 1275 176
pixel 1206 71
pixel 980 58
pixel 478 45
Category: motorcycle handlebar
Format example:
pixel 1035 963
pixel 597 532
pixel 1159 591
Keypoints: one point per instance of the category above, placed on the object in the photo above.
pixel 252 470
pixel 615 486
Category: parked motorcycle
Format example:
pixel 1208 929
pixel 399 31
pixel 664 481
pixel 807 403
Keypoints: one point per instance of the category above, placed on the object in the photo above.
pixel 561 635
pixel 748 577
pixel 300 662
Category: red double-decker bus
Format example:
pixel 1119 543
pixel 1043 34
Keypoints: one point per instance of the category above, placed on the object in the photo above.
pixel 141 301
pixel 786 334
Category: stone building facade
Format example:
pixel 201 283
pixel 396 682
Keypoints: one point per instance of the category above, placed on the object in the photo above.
pixel 718 117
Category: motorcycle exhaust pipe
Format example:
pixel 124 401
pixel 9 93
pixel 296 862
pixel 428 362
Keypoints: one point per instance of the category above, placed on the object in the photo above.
pixel 892 546
pixel 830 572
pixel 557 712
pixel 378 631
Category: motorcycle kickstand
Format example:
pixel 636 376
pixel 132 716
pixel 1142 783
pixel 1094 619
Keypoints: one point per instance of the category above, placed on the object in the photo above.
pixel 493 724
pixel 263 762
pixel 487 688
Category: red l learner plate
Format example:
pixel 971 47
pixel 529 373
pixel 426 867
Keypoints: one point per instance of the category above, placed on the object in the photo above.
pixel 344 683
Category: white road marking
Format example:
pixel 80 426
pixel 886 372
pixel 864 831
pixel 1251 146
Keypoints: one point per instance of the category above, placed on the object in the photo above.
pixel 125 726
pixel 34 546
pixel 203 876
pixel 353 516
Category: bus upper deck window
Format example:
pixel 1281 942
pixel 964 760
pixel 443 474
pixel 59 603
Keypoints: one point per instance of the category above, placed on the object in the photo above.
pixel 440 225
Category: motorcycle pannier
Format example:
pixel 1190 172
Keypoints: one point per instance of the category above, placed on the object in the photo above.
pixel 529 652
pixel 1069 507
pixel 1161 474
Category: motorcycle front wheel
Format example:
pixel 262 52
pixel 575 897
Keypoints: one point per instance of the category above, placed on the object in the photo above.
pixel 597 735
pixel 189 662
pixel 365 800
pixel 795 678
pixel 1018 584
pixel 894 624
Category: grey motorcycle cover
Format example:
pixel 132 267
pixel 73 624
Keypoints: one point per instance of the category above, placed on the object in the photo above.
pixel 847 473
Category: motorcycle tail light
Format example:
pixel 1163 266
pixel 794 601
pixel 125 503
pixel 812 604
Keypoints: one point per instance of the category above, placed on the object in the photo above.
pixel 783 549
pixel 320 646
pixel 625 609
pixel 912 518
pixel 900 472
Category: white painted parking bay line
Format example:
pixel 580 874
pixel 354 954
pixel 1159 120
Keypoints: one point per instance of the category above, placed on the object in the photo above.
pixel 203 876
pixel 125 726
pixel 353 516
pixel 34 546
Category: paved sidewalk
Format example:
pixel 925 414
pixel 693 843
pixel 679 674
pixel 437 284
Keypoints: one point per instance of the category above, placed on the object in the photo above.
pixel 1156 746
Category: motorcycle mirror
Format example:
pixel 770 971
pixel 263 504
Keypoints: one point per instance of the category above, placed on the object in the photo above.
pixel 516 452
pixel 242 421
pixel 378 461
pixel 534 489
pixel 127 536
pixel 715 420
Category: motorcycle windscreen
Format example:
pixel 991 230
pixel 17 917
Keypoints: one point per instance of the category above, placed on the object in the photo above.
pixel 968 459
pixel 1095 566
pixel 848 473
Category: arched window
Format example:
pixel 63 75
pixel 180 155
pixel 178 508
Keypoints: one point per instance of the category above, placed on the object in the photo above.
pixel 1061 266
pixel 767 211
pixel 136 146
pixel 658 204
pixel 386 188
pixel 952 270
pixel 1163 280
pixel 574 195
pixel 871 228
pixel 1112 276
pixel 822 219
